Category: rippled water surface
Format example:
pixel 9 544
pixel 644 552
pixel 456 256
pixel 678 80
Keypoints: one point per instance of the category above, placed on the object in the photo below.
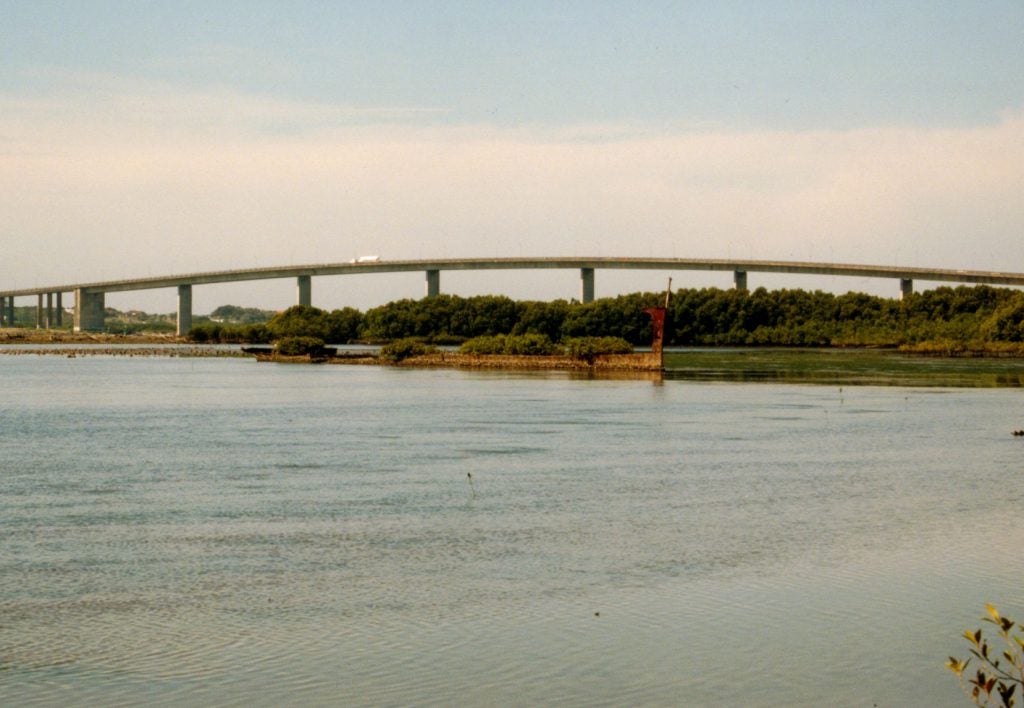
pixel 221 532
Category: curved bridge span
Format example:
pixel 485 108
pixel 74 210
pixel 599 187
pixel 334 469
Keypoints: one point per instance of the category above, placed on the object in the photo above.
pixel 89 297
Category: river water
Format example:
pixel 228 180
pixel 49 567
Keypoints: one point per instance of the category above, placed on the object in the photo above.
pixel 222 532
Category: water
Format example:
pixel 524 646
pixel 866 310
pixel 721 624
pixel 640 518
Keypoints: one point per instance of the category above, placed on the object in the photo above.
pixel 222 532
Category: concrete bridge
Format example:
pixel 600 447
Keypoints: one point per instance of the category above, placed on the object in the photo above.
pixel 89 297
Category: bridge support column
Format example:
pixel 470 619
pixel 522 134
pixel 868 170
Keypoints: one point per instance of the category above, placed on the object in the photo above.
pixel 906 288
pixel 184 309
pixel 4 322
pixel 586 284
pixel 89 311
pixel 10 311
pixel 48 317
pixel 39 311
pixel 739 279
pixel 59 310
pixel 304 284
pixel 433 283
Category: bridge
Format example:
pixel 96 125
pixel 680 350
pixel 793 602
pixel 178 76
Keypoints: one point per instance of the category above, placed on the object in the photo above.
pixel 89 297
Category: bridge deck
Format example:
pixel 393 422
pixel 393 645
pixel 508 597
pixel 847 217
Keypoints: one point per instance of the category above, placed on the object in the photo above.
pixel 347 268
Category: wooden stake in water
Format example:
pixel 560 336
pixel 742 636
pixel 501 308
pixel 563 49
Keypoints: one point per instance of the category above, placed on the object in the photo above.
pixel 469 476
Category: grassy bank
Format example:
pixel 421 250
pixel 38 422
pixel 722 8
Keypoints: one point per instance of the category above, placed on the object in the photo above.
pixel 842 367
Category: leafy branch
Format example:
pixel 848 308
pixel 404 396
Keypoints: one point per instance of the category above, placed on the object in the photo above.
pixel 997 676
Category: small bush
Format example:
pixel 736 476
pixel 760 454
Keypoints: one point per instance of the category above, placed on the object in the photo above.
pixel 589 348
pixel 487 344
pixel 529 345
pixel 203 333
pixel 256 333
pixel 511 344
pixel 404 348
pixel 447 340
pixel 213 333
pixel 299 346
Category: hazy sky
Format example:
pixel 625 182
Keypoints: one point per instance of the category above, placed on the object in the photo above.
pixel 147 138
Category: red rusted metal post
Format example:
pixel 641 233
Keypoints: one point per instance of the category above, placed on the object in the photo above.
pixel 657 330
pixel 658 326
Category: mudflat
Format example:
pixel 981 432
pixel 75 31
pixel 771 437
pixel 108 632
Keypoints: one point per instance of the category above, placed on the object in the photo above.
pixel 21 335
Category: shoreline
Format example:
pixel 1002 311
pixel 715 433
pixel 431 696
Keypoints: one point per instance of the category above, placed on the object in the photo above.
pixel 20 335
pixel 19 341
pixel 643 362
pixel 132 350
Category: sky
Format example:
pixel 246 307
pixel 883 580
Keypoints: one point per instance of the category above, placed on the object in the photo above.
pixel 153 138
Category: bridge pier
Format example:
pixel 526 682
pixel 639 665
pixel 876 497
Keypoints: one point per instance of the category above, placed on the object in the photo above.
pixel 58 312
pixel 906 288
pixel 433 283
pixel 4 318
pixel 39 311
pixel 304 285
pixel 586 285
pixel 184 309
pixel 739 279
pixel 90 311
pixel 10 311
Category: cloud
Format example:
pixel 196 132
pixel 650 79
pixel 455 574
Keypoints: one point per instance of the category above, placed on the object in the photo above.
pixel 83 108
pixel 175 181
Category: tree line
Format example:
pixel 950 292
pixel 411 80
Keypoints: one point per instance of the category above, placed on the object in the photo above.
pixel 695 317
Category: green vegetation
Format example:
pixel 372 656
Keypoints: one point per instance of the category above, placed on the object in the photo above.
pixel 441 318
pixel 586 348
pixel 963 316
pixel 229 334
pixel 26 316
pixel 589 348
pixel 116 321
pixel 841 367
pixel 945 320
pixel 339 326
pixel 299 346
pixel 513 344
pixel 800 318
pixel 404 348
pixel 233 314
pixel 999 673
pixel 136 321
